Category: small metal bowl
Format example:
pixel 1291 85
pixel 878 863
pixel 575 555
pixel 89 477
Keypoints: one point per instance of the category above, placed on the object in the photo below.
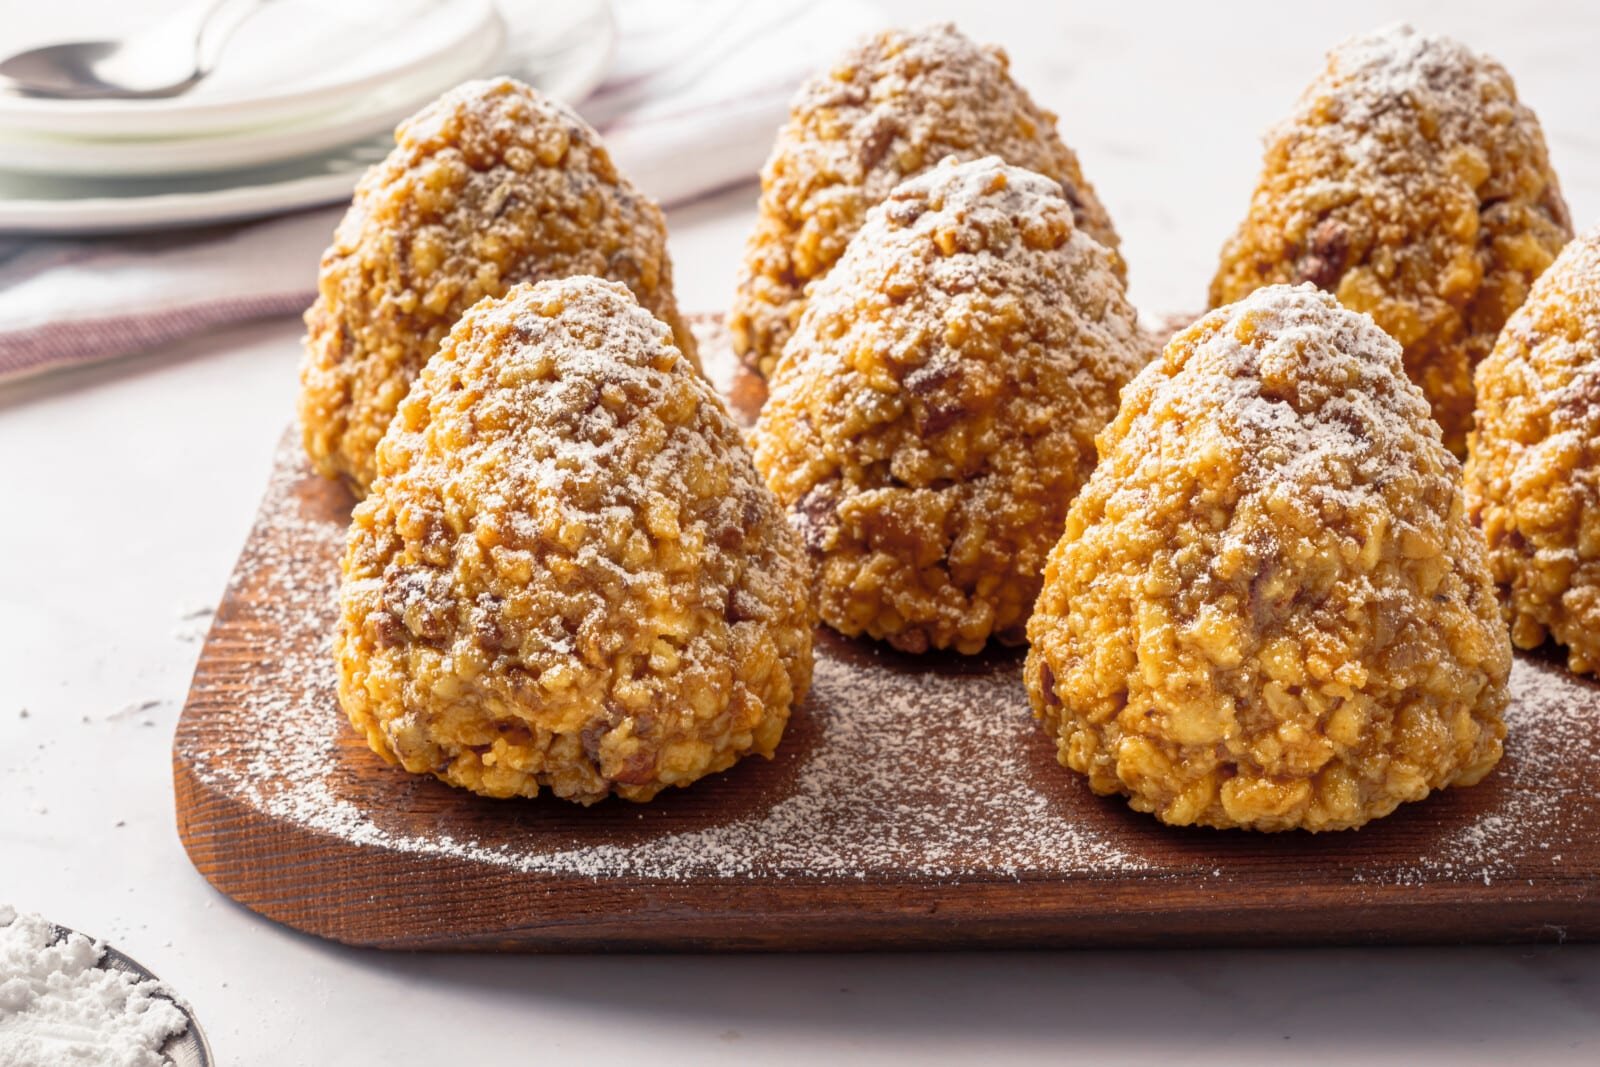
pixel 188 1049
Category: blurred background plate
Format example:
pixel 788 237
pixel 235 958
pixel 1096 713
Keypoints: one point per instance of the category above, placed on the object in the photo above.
pixel 376 112
pixel 292 58
pixel 45 204
pixel 563 50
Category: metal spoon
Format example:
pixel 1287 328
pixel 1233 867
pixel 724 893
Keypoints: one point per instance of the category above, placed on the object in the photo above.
pixel 166 59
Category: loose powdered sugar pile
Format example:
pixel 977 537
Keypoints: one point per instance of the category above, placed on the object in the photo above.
pixel 59 1007
pixel 929 775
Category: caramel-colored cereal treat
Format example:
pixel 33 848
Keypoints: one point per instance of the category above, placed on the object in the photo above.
pixel 568 574
pixel 892 107
pixel 935 411
pixel 490 185
pixel 1533 472
pixel 1412 184
pixel 1268 609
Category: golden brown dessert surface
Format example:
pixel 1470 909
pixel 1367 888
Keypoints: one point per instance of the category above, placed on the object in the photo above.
pixel 1533 474
pixel 890 108
pixel 568 573
pixel 1268 609
pixel 935 411
pixel 1412 184
pixel 490 185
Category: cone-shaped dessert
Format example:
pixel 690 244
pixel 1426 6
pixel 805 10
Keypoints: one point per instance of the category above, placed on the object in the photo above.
pixel 488 186
pixel 1413 185
pixel 935 411
pixel 1533 473
pixel 893 106
pixel 1268 609
pixel 568 574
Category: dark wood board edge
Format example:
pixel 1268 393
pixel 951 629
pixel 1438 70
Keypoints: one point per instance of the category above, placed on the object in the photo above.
pixel 810 914
pixel 377 896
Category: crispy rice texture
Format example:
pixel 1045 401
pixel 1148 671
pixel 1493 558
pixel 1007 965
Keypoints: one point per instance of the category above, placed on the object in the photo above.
pixel 568 574
pixel 1533 472
pixel 1268 609
pixel 935 412
pixel 893 106
pixel 490 185
pixel 1412 184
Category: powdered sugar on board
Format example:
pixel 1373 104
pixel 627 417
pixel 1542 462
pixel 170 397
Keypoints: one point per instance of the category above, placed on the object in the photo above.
pixel 896 768
pixel 1552 726
pixel 851 810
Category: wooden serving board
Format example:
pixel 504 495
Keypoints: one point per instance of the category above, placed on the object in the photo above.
pixel 914 803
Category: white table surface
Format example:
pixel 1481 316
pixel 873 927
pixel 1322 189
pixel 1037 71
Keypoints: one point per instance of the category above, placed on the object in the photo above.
pixel 126 491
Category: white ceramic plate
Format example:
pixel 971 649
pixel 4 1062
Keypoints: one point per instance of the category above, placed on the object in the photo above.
pixel 272 70
pixel 565 57
pixel 376 112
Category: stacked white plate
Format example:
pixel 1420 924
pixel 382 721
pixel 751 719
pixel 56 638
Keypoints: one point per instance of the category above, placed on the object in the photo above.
pixel 302 101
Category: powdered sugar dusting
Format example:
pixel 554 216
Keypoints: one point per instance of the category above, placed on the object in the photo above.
pixel 850 814
pixel 891 107
pixel 1554 338
pixel 1315 390
pixel 1551 724
pixel 1388 76
pixel 931 775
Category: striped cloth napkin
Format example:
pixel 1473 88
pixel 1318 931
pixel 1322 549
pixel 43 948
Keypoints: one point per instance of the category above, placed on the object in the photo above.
pixel 690 106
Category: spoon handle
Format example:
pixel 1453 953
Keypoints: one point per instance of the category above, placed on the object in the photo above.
pixel 217 26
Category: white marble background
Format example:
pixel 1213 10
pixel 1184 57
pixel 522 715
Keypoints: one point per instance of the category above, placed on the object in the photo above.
pixel 126 490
